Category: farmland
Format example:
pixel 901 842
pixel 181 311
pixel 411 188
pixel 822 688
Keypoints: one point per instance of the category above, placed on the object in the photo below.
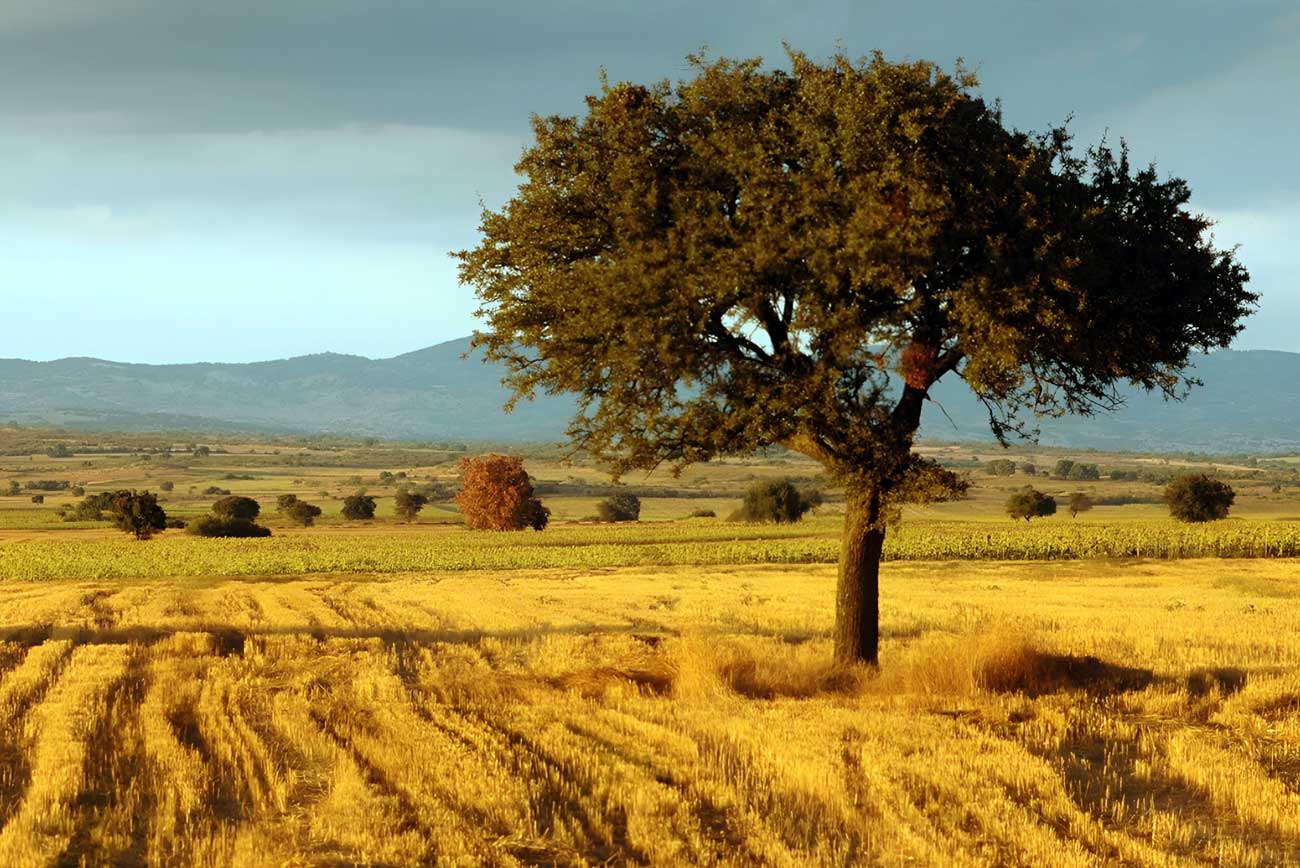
pixel 1111 689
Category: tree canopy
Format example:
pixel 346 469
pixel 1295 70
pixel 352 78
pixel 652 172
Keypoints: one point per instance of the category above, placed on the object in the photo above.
pixel 757 256
pixel 1195 497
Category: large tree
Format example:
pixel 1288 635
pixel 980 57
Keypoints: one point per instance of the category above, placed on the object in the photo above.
pixel 756 256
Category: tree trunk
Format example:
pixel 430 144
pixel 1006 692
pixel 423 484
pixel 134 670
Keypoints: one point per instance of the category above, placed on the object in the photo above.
pixel 857 596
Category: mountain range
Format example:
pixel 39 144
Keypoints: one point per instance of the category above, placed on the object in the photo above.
pixel 1250 402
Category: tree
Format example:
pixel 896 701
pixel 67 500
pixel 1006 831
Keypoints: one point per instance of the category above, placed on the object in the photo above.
pixel 359 507
pixel 59 450
pixel 1028 469
pixel 408 503
pixel 1079 502
pixel 202 451
pixel 496 494
pixel 38 498
pixel 237 507
pixel 1063 468
pixel 754 257
pixel 1083 472
pixel 1029 503
pixel 295 510
pixel 1000 467
pixel 619 507
pixel 1195 497
pixel 224 526
pixel 15 488
pixel 775 500
pixel 167 485
pixel 136 513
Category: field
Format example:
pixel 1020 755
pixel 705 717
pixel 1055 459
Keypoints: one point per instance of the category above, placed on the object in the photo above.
pixel 1112 689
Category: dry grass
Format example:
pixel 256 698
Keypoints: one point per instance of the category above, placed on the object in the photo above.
pixel 1026 714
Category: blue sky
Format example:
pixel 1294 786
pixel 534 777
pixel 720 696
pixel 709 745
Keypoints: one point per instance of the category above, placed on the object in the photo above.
pixel 186 181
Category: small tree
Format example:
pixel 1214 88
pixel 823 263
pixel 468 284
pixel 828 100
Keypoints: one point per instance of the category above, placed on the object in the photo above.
pixel 202 451
pixel 1000 467
pixel 496 494
pixel 221 526
pixel 620 507
pixel 38 498
pixel 298 511
pixel 1084 472
pixel 1196 497
pixel 359 507
pixel 15 488
pixel 408 504
pixel 1030 503
pixel 237 507
pixel 1063 468
pixel 137 513
pixel 1079 502
pixel 1028 469
pixel 775 500
pixel 167 485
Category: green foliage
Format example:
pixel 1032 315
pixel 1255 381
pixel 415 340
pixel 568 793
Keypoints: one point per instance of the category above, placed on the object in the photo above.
pixel 223 526
pixel 237 507
pixel 166 485
pixel 1195 497
pixel 359 507
pixel 1079 502
pixel 1030 503
pixel 1083 472
pixel 702 513
pixel 215 489
pixel 1028 468
pixel 59 450
pixel 775 500
pixel 1000 467
pixel 1062 468
pixel 136 512
pixel 298 511
pixel 48 485
pixel 408 504
pixel 15 488
pixel 755 252
pixel 38 498
pixel 619 507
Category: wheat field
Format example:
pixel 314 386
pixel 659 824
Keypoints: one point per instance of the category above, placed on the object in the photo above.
pixel 1061 713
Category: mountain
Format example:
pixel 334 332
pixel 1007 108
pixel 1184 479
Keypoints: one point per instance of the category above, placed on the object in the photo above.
pixel 1250 402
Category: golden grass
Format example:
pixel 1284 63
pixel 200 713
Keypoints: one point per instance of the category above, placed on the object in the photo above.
pixel 1143 713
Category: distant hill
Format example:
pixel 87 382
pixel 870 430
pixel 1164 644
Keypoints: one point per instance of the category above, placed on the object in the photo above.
pixel 1250 402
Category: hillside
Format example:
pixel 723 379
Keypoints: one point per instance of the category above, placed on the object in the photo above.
pixel 434 393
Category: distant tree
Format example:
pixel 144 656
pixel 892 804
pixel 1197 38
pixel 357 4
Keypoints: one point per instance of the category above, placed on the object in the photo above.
pixel 775 500
pixel 222 526
pixel 754 256
pixel 386 477
pixel 237 507
pixel 1195 497
pixel 216 489
pixel 59 450
pixel 623 506
pixel 15 488
pixel 1028 469
pixel 408 504
pixel 1000 467
pixel 497 494
pixel 77 491
pixel 303 513
pixel 1083 472
pixel 1063 468
pixel 285 501
pixel 359 507
pixel 1079 502
pixel 167 485
pixel 38 498
pixel 1030 503
pixel 202 451
pixel 136 512
pixel 702 513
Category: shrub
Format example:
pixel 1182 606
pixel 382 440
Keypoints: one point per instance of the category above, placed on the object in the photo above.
pixel 15 488
pixel 702 513
pixel 497 494
pixel 408 504
pixel 77 491
pixel 301 512
pixel 217 526
pixel 167 485
pixel 619 507
pixel 59 450
pixel 38 498
pixel 1082 471
pixel 136 513
pixel 1000 467
pixel 1196 497
pixel 48 485
pixel 1079 502
pixel 237 507
pixel 775 500
pixel 176 523
pixel 215 490
pixel 1028 469
pixel 1030 503
pixel 359 507
pixel 1063 468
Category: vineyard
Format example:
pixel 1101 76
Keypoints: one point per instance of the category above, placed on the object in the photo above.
pixel 400 550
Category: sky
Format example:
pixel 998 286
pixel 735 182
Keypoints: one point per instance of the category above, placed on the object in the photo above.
pixel 254 179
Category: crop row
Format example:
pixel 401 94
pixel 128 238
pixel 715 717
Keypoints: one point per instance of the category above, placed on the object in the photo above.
pixel 294 554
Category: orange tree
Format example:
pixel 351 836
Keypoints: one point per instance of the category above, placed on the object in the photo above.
pixel 757 256
pixel 496 494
